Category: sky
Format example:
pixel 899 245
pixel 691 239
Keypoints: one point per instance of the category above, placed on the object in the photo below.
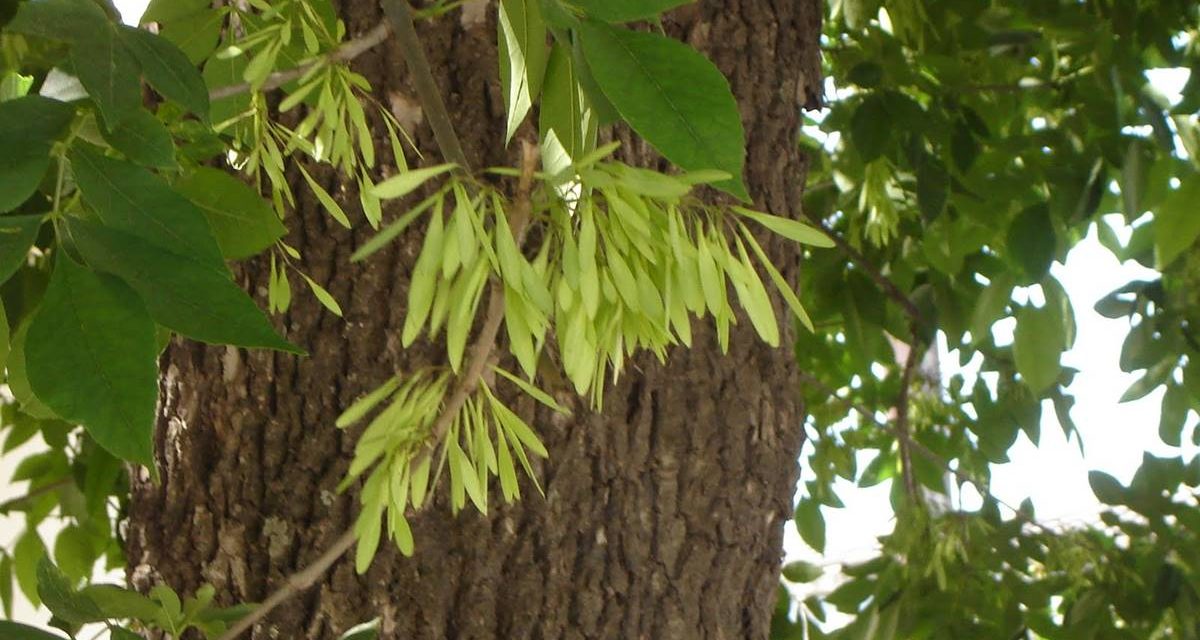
pixel 1053 474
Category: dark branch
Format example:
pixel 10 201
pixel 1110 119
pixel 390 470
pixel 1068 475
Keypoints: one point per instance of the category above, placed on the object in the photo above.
pixel 345 53
pixel 889 288
pixel 401 17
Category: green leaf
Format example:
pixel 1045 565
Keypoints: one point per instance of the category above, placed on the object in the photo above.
pixel 17 234
pixel 1176 225
pixel 990 306
pixel 116 602
pixel 28 127
pixel 92 339
pixel 534 392
pixel 109 73
pixel 1031 241
pixel 4 340
pixel 196 299
pixel 392 230
pixel 27 553
pixel 324 297
pixel 626 10
pixel 516 427
pixel 672 96
pixel 811 524
pixel 523 51
pixel 424 279
pixel 131 199
pixel 406 182
pixel 167 69
pixel 6 586
pixel 331 206
pixel 1106 488
pixel 223 73
pixel 933 187
pixel 788 228
pixel 66 20
pixel 1176 404
pixel 363 405
pixel 167 11
pixel 195 34
pixel 366 631
pixel 1038 343
pixel 562 112
pixel 144 140
pixel 74 554
pixel 964 148
pixel 61 599
pixel 754 298
pixel 802 572
pixel 368 528
pixel 244 224
pixel 871 128
pixel 18 380
pixel 600 107
pixel 17 631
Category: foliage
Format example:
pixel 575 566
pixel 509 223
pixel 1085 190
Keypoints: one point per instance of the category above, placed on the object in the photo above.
pixel 976 143
pixel 138 163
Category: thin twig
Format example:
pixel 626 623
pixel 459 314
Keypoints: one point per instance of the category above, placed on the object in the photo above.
pixel 345 53
pixel 295 583
pixel 485 341
pixel 903 434
pixel 921 450
pixel 889 288
pixel 482 354
pixel 401 17
pixel 9 505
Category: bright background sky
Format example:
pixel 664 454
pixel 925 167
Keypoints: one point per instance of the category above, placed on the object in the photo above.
pixel 1053 474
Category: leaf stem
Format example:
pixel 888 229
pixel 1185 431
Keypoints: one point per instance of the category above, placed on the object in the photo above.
pixel 399 13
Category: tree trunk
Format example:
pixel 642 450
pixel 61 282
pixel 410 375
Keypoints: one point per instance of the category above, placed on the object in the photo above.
pixel 662 517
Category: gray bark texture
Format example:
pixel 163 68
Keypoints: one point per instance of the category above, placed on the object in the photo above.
pixel 663 515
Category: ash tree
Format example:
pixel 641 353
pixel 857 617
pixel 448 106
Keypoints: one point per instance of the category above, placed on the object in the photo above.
pixel 510 319
pixel 468 318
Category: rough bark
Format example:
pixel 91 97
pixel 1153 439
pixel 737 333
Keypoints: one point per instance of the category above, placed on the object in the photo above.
pixel 663 516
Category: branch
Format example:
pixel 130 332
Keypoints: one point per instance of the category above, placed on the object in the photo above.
pixel 925 452
pixel 903 434
pixel 889 288
pixel 345 53
pixel 9 505
pixel 481 355
pixel 400 15
pixel 295 583
pixel 485 341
